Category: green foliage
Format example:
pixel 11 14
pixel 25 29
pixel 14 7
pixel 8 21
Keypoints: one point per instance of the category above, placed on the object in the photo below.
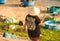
pixel 47 35
pixel 50 35
pixel 48 18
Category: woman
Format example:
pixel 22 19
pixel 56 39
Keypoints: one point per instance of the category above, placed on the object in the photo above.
pixel 33 22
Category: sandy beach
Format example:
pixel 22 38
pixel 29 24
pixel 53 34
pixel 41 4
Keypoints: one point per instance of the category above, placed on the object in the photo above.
pixel 12 9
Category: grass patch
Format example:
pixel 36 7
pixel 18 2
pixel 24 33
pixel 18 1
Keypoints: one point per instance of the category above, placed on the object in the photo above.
pixel 47 35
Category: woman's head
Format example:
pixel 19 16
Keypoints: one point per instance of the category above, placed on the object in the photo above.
pixel 33 10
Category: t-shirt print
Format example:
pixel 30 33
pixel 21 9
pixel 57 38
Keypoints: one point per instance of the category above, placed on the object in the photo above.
pixel 31 23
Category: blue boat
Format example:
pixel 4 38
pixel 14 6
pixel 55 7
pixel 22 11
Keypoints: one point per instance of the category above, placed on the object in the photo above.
pixel 51 24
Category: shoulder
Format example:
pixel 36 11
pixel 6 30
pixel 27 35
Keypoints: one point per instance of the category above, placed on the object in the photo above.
pixel 28 15
pixel 36 16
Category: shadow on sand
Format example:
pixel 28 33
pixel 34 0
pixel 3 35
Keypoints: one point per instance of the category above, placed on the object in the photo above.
pixel 12 5
pixel 15 5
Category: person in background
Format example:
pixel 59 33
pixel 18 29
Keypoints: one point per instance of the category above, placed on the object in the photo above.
pixel 21 4
pixel 24 2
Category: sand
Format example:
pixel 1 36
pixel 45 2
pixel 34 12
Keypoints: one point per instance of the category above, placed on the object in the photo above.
pixel 12 9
